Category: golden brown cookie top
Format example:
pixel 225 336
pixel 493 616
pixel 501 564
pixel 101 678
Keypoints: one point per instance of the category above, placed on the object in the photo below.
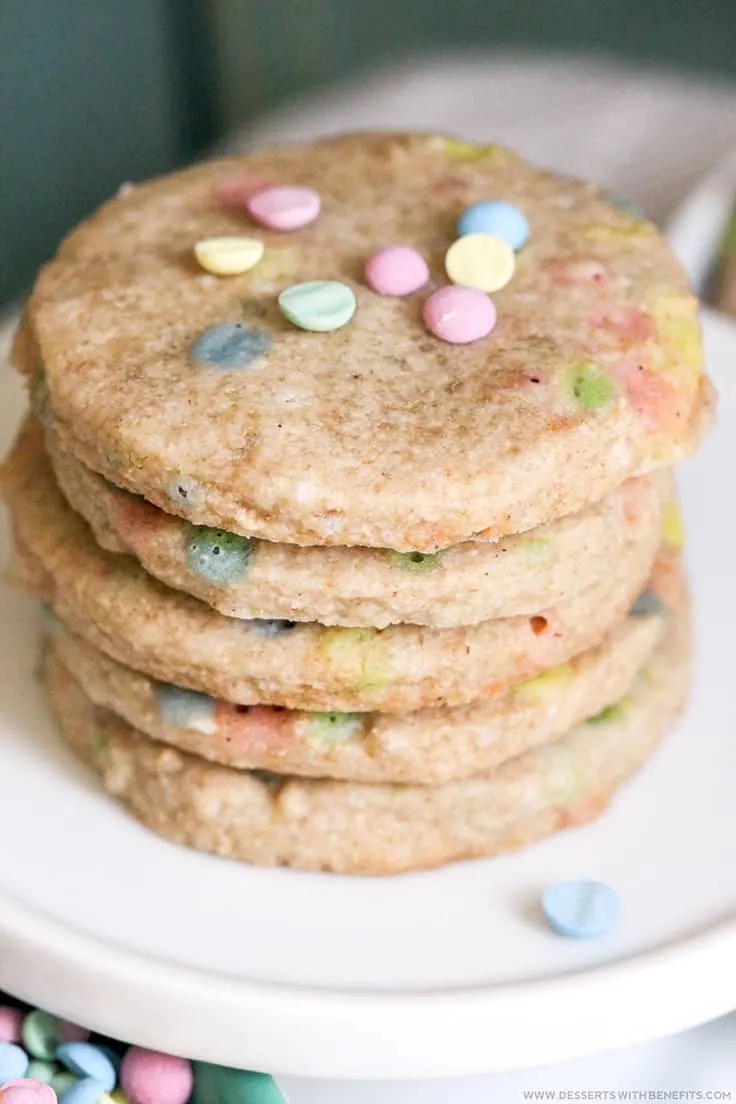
pixel 378 432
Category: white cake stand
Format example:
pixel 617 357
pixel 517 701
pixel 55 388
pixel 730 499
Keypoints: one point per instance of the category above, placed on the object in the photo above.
pixel 438 974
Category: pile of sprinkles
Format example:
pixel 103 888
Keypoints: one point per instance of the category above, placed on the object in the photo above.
pixel 480 260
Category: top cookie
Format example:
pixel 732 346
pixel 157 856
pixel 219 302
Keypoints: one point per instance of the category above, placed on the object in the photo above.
pixel 377 433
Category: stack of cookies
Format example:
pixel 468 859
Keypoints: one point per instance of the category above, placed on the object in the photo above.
pixel 348 488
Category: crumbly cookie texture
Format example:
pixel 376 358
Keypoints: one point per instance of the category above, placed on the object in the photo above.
pixel 109 600
pixel 377 433
pixel 347 827
pixel 362 587
pixel 429 746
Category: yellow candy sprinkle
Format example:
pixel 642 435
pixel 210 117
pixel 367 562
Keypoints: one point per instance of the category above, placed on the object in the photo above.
pixel 554 679
pixel 470 151
pixel 679 330
pixel 481 261
pixel 673 530
pixel 228 256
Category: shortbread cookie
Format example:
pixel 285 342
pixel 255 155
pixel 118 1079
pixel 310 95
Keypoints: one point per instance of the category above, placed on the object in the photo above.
pixel 110 601
pixel 471 582
pixel 377 829
pixel 430 746
pixel 377 433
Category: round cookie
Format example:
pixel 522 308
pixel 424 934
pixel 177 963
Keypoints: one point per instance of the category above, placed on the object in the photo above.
pixel 197 393
pixel 376 829
pixel 425 747
pixel 111 602
pixel 471 582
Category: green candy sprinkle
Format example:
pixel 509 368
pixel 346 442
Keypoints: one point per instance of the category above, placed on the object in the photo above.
pixel 223 1085
pixel 62 1082
pixel 332 728
pixel 358 654
pixel 42 1071
pixel 418 563
pixel 593 388
pixel 319 306
pixel 218 556
pixel 611 713
pixel 41 1035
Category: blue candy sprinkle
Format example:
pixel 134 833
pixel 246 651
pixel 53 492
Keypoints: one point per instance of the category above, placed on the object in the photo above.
pixel 494 216
pixel 186 708
pixel 647 602
pixel 217 555
pixel 581 910
pixel 88 1062
pixel 13 1062
pixel 86 1091
pixel 230 345
pixel 272 627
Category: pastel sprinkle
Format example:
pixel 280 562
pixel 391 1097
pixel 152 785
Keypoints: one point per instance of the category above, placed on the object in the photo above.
pixel 332 728
pixel 87 1060
pixel 27 1091
pixel 185 708
pixel 223 1085
pixel 284 208
pixel 230 345
pixel 470 151
pixel 149 1077
pixel 419 563
pixel 61 1082
pixel 495 217
pixel 84 1091
pixel 228 256
pixel 185 492
pixel 590 385
pixel 609 714
pixel 646 604
pixel 13 1062
pixel 396 270
pixel 581 910
pixel 673 530
pixel 459 315
pixel 319 305
pixel 482 261
pixel 41 1034
pixel 41 1071
pixel 10 1024
pixel 218 556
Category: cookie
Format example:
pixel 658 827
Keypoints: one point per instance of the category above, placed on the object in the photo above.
pixel 223 399
pixel 377 829
pixel 429 746
pixel 471 582
pixel 110 601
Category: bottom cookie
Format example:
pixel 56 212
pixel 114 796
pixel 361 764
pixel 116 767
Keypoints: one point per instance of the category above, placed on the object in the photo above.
pixel 357 828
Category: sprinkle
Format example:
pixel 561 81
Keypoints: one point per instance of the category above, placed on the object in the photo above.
pixel 217 1084
pixel 581 910
pixel 185 492
pixel 228 256
pixel 150 1077
pixel 10 1018
pixel 27 1091
pixel 319 306
pixel 270 626
pixel 673 530
pixel 495 217
pixel 646 604
pixel 610 714
pixel 218 556
pixel 419 563
pixel 482 261
pixel 396 270
pixel 332 728
pixel 593 388
pixel 230 345
pixel 13 1062
pixel 459 315
pixel 284 208
pixel 185 708
pixel 87 1060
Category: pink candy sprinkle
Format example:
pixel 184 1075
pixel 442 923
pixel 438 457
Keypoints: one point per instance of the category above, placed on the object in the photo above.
pixel 10 1024
pixel 149 1077
pixel 396 270
pixel 24 1090
pixel 72 1033
pixel 284 208
pixel 459 314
